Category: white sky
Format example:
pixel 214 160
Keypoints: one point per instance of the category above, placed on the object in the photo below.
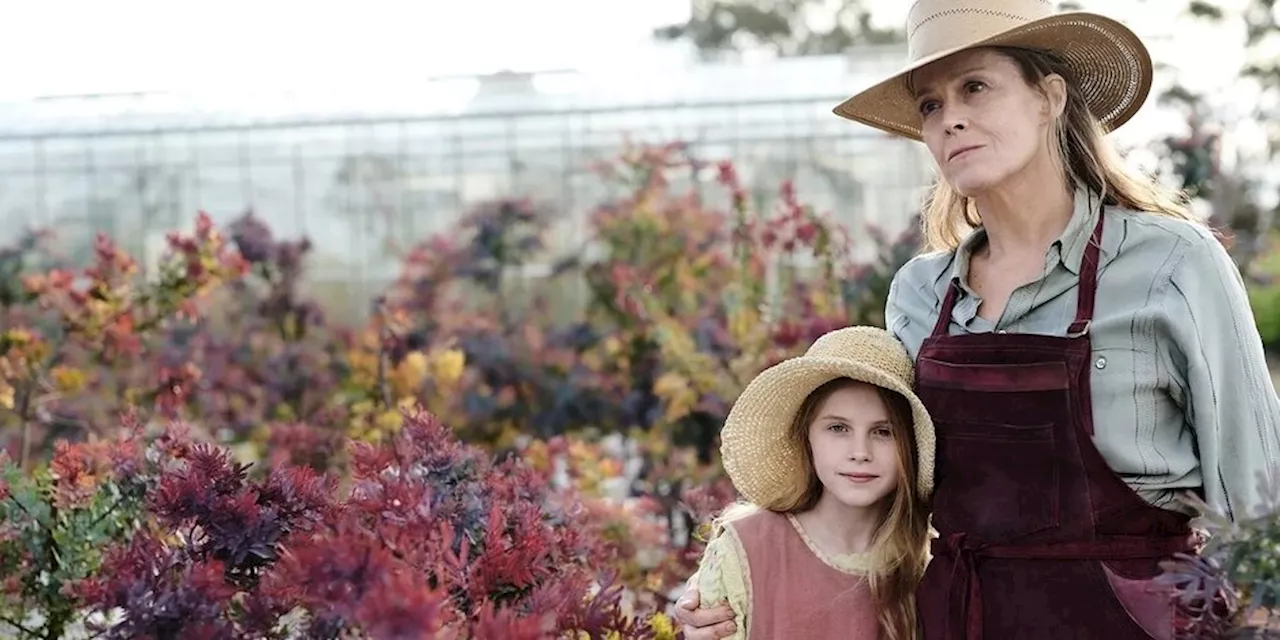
pixel 60 47
pixel 321 49
pixel 300 54
pixel 91 46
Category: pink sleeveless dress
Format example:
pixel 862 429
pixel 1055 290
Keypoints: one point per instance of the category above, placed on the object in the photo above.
pixel 795 591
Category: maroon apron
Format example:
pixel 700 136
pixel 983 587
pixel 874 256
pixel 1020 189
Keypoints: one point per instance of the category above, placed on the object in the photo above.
pixel 1039 538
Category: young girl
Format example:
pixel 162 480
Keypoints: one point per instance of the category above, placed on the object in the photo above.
pixel 835 455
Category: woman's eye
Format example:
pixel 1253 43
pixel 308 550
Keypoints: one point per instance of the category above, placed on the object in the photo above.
pixel 883 433
pixel 838 428
pixel 928 107
pixel 975 86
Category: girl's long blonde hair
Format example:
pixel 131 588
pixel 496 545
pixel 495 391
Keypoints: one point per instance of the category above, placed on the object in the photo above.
pixel 1086 156
pixel 899 547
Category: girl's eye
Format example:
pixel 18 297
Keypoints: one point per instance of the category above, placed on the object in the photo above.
pixel 838 427
pixel 928 106
pixel 974 86
pixel 883 432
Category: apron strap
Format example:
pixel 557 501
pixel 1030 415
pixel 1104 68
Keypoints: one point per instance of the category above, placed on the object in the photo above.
pixel 1088 280
pixel 944 314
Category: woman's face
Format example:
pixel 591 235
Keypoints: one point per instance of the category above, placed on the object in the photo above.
pixel 983 124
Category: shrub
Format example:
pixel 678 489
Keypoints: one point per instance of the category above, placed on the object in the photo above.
pixel 1231 589
pixel 429 537
pixel 231 463
pixel 73 341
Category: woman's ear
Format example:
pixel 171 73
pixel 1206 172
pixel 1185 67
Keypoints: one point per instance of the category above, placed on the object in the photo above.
pixel 1055 93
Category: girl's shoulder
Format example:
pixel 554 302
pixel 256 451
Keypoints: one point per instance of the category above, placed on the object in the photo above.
pixel 758 523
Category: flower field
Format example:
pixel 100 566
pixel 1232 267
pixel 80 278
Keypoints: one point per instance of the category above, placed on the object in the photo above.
pixel 197 452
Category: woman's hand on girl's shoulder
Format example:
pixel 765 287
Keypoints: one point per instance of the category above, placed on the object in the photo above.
pixel 703 624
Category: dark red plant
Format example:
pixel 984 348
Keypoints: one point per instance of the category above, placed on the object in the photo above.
pixel 430 538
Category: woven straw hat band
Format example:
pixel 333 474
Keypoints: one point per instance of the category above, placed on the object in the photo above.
pixel 946 27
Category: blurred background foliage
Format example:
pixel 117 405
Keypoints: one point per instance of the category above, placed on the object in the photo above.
pixel 582 287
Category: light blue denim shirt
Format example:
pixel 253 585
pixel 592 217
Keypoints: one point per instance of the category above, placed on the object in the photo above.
pixel 1182 396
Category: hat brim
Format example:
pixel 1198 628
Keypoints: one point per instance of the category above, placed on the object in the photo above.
pixel 762 460
pixel 1111 67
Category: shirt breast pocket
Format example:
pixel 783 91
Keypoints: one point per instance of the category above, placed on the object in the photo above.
pixel 1126 375
pixel 1106 361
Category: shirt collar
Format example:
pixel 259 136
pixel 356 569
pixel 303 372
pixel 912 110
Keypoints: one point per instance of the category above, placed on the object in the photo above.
pixel 1067 249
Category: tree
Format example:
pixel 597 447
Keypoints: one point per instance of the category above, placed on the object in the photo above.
pixel 1196 156
pixel 784 27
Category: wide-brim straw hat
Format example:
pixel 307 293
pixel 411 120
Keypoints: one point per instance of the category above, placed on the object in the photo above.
pixel 1108 62
pixel 763 461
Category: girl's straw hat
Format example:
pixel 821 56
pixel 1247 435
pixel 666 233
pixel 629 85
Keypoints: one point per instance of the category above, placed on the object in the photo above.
pixel 1109 63
pixel 762 460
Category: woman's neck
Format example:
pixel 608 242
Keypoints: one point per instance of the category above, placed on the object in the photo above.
pixel 840 529
pixel 1024 217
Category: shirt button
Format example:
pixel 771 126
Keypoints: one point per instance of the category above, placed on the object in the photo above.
pixel 1101 362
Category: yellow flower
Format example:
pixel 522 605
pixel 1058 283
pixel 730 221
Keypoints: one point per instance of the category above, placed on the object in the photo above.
pixel 508 434
pixel 389 421
pixel 6 395
pixel 591 360
pixel 652 441
pixel 409 374
pixel 537 455
pixel 662 627
pixel 132 395
pixel 260 434
pixel 612 345
pixel 246 452
pixel 447 366
pixel 99 310
pixel 610 467
pixel 291 326
pixel 18 336
pixel 741 321
pixel 679 394
pixel 580 451
pixel 362 408
pixel 284 412
pixel 67 379
pixel 417 363
pixel 823 304
pixel 669 384
pixel 364 367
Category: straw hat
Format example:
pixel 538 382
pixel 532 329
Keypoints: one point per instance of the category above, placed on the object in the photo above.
pixel 757 453
pixel 1110 64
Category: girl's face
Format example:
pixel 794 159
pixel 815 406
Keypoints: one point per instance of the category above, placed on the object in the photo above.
pixel 853 447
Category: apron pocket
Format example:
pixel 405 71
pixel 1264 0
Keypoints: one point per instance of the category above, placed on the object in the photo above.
pixel 997 378
pixel 996 481
pixel 1150 606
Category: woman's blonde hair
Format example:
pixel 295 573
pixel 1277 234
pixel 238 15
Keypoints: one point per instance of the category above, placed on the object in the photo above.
pixel 899 547
pixel 1088 160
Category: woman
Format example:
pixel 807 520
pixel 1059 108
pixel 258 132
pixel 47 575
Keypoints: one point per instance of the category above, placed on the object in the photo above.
pixel 1085 347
